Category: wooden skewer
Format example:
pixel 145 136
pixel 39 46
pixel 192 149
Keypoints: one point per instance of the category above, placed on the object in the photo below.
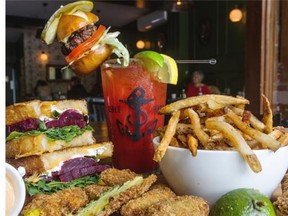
pixel 207 61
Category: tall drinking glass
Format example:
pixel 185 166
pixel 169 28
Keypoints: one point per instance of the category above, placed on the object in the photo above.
pixel 132 99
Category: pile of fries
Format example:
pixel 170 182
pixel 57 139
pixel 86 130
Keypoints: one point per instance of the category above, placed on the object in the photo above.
pixel 219 122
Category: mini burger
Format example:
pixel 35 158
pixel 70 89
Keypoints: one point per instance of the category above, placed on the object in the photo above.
pixel 85 44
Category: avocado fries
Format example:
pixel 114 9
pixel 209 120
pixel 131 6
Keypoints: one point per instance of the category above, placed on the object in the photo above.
pixel 103 199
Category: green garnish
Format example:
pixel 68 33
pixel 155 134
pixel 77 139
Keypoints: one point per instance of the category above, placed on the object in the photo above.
pixel 66 133
pixel 96 206
pixel 42 125
pixel 53 186
pixel 55 114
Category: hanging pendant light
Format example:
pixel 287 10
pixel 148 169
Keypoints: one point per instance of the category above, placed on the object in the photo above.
pixel 43 56
pixel 235 15
pixel 179 3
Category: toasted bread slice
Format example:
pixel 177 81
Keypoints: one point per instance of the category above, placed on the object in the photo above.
pixel 21 111
pixel 48 161
pixel 47 107
pixel 37 145
pixel 36 108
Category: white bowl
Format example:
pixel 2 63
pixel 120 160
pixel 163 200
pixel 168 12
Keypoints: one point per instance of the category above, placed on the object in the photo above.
pixel 211 174
pixel 15 187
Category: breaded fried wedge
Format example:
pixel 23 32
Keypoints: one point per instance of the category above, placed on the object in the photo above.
pixel 112 177
pixel 138 206
pixel 179 206
pixel 66 201
pixel 94 191
pixel 57 204
pixel 135 191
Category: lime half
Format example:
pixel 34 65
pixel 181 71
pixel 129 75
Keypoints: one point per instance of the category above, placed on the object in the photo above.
pixel 163 67
pixel 243 202
pixel 49 32
pixel 153 61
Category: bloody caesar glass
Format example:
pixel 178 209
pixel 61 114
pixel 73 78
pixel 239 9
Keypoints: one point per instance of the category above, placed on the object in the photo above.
pixel 132 99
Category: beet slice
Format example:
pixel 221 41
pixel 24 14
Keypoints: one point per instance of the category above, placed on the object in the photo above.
pixel 78 167
pixel 67 118
pixel 23 126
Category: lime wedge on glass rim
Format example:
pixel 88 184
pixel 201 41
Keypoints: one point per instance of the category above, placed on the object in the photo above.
pixel 163 67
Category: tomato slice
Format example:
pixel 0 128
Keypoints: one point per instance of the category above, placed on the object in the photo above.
pixel 86 45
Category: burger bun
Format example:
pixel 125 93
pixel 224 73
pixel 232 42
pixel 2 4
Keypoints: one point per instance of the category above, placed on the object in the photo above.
pixel 71 23
pixel 92 60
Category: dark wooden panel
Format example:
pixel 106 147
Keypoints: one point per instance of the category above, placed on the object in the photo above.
pixel 253 55
pixel 225 43
pixel 283 61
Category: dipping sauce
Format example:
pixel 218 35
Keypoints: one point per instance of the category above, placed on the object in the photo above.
pixel 10 195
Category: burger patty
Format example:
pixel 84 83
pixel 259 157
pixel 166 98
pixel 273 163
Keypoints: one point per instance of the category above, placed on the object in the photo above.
pixel 78 37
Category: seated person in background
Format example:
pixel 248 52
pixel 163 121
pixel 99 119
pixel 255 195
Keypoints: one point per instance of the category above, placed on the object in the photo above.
pixel 196 87
pixel 42 90
pixel 76 90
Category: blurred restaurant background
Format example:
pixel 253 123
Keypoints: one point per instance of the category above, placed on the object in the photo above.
pixel 248 39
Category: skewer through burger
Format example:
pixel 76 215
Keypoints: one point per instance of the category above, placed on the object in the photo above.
pixel 85 45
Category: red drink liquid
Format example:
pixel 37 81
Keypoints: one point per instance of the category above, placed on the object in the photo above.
pixel 132 99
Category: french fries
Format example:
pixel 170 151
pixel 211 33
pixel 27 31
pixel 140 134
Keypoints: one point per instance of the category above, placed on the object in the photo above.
pixel 204 99
pixel 169 133
pixel 284 140
pixel 237 141
pixel 267 115
pixel 192 144
pixel 264 139
pixel 256 123
pixel 198 131
pixel 218 122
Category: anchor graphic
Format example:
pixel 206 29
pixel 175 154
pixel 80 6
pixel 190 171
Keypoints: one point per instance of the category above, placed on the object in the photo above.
pixel 135 101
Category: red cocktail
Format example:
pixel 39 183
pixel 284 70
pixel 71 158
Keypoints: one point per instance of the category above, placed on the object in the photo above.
pixel 132 99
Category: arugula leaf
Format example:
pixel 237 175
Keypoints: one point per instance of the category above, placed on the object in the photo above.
pixel 13 135
pixel 55 114
pixel 66 133
pixel 53 186
pixel 42 125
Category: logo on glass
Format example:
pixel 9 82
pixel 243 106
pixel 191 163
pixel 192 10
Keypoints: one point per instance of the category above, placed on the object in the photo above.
pixel 138 118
